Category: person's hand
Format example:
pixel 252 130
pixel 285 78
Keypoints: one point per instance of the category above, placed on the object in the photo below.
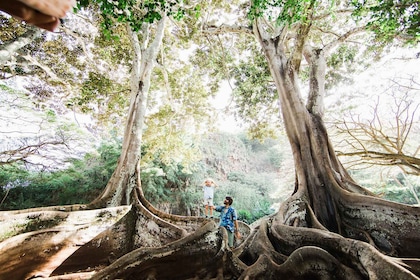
pixel 237 234
pixel 45 14
pixel 55 8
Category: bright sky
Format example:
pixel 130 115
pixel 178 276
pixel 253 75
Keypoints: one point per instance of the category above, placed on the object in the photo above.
pixel 226 123
pixel 375 81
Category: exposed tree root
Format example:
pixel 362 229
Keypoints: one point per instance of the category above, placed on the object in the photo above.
pixel 271 250
pixel 148 244
pixel 201 255
pixel 391 227
pixel 356 255
pixel 64 208
pixel 38 242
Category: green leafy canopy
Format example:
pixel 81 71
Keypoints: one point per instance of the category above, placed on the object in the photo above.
pixel 391 19
pixel 135 13
pixel 282 11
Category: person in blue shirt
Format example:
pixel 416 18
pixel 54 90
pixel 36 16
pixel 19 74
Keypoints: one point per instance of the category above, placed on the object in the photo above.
pixel 229 219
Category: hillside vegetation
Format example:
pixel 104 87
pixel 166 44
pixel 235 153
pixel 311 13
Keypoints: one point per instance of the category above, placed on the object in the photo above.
pixel 247 170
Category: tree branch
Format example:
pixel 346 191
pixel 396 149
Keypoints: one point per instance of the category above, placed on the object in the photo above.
pixel 8 50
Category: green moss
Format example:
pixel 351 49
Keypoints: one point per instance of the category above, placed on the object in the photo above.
pixel 33 223
pixel 36 223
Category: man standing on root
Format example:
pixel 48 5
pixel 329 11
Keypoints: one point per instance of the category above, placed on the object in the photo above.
pixel 228 219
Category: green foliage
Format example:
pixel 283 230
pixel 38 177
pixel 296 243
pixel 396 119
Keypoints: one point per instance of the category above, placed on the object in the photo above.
pixel 178 115
pixel 136 13
pixel 51 115
pixel 391 19
pixel 100 94
pixel 244 215
pixel 243 169
pixel 266 155
pixel 163 183
pixel 394 189
pixel 275 155
pixel 342 63
pixel 213 62
pixel 255 96
pixel 12 173
pixel 91 88
pixel 80 73
pixel 153 184
pixel 251 194
pixel 261 209
pixel 394 192
pixel 80 183
pixel 282 11
pixel 169 183
pixel 11 28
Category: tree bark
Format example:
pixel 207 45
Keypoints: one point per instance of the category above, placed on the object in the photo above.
pixel 119 188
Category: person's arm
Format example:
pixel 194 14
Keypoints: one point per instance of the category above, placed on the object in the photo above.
pixel 45 14
pixel 235 223
pixel 237 233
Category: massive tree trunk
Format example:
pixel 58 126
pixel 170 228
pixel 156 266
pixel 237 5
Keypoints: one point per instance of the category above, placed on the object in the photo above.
pixel 326 198
pixel 124 180
pixel 330 228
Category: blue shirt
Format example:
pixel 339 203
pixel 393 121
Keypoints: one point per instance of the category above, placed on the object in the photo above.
pixel 227 216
